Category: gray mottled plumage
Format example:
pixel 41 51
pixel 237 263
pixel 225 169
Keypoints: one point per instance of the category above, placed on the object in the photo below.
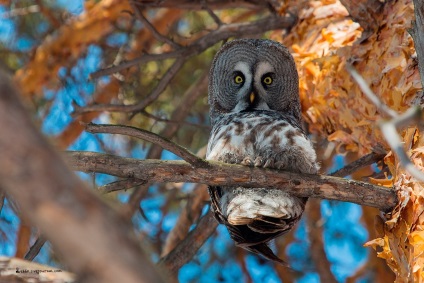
pixel 256 121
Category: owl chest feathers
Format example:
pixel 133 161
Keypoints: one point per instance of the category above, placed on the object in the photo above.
pixel 265 135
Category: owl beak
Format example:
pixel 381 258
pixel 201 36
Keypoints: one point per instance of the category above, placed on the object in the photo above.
pixel 252 98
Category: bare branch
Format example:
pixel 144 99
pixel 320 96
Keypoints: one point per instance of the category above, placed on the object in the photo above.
pixel 196 233
pixel 217 20
pixel 190 213
pixel 203 43
pixel 394 140
pixel 198 4
pixel 169 121
pixel 133 205
pixel 154 31
pixel 93 240
pixel 361 162
pixel 384 109
pixel 121 185
pixel 389 128
pixel 150 137
pixel 35 249
pixel 181 112
pixel 222 174
pixel 190 245
pixel 160 87
pixel 417 33
pixel 315 235
pixel 365 12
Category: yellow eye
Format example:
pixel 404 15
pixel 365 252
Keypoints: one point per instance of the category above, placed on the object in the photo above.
pixel 238 79
pixel 267 80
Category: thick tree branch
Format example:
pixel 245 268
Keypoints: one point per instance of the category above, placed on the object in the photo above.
pixel 189 214
pixel 417 33
pixel 317 251
pixel 190 245
pixel 150 137
pixel 88 234
pixel 304 185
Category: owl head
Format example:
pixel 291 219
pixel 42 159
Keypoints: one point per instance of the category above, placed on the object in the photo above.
pixel 253 74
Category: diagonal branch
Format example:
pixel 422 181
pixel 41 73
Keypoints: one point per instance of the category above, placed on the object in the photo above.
pixel 188 247
pixel 203 43
pixel 93 240
pixel 154 31
pixel 221 174
pixel 388 128
pixel 361 162
pixel 150 137
pixel 160 87
pixel 384 109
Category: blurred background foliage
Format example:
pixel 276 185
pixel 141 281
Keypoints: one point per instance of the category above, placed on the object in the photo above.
pixel 52 48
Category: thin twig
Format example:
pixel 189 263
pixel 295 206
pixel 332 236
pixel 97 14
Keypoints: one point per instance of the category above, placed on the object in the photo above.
pixel 150 137
pixel 125 184
pixel 369 93
pixel 133 205
pixel 152 29
pixel 2 198
pixel 181 112
pixel 160 87
pixel 169 121
pixel 35 249
pixel 216 19
pixel 361 162
pixel 394 140
pixel 222 174
pixel 203 43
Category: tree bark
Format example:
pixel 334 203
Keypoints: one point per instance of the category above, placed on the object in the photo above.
pixel 366 13
pixel 95 243
pixel 417 33
pixel 217 173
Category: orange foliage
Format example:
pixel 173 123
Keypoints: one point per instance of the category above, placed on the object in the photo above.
pixel 71 41
pixel 333 104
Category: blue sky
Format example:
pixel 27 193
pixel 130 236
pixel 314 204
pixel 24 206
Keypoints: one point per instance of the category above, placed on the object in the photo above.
pixel 344 234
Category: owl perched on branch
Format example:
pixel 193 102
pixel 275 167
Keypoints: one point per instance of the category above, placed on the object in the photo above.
pixel 256 121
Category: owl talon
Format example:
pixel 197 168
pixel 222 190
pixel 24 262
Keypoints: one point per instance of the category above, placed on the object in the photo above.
pixel 269 163
pixel 280 165
pixel 247 161
pixel 259 161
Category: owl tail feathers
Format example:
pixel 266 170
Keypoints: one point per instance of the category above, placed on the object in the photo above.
pixel 263 250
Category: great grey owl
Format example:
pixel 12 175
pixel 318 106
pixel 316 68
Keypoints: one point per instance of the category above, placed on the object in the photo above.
pixel 256 121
